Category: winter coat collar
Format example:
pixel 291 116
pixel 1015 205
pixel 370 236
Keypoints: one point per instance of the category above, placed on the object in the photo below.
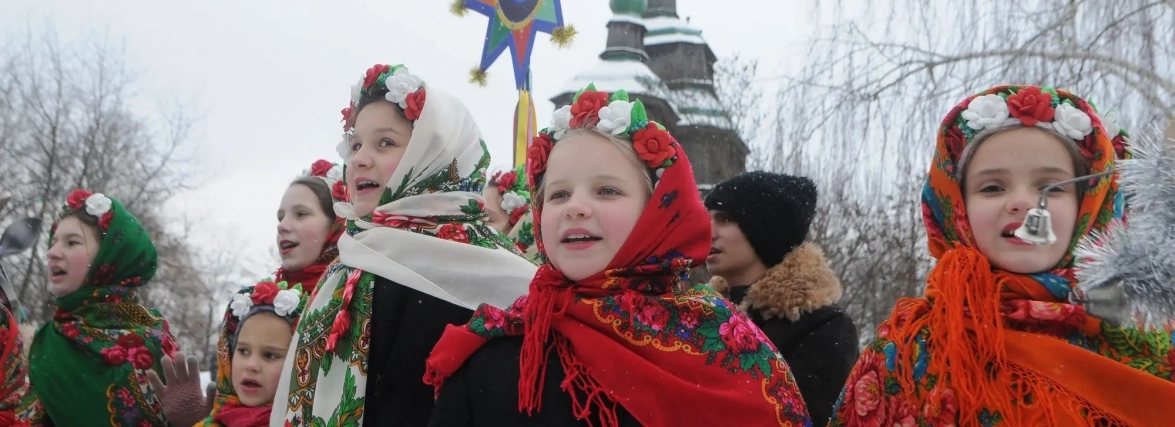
pixel 801 283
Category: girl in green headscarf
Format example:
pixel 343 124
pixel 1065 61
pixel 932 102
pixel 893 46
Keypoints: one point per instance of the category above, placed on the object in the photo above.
pixel 87 366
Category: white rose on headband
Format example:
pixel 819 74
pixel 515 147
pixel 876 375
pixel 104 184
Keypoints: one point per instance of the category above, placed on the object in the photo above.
pixel 344 147
pixel 561 121
pixel 98 204
pixel 400 84
pixel 985 111
pixel 616 117
pixel 241 304
pixel 286 302
pixel 512 201
pixel 1110 121
pixel 335 173
pixel 356 91
pixel 1072 122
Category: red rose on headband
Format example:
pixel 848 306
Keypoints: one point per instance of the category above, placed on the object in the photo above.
pixel 506 180
pixel 536 157
pixel 588 107
pixel 1031 106
pixel 955 142
pixel 104 222
pixel 320 168
pixel 415 101
pixel 373 74
pixel 653 145
pixel 347 116
pixel 264 292
pixel 77 199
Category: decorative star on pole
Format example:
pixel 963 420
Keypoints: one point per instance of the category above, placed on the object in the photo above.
pixel 513 24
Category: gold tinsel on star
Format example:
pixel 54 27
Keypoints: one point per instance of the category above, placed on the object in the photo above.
pixel 563 35
pixel 477 76
pixel 457 7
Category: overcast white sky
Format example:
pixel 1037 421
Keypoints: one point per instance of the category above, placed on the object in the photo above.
pixel 269 77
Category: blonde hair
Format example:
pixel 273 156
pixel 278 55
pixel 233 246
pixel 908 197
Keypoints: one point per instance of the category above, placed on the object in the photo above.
pixel 625 147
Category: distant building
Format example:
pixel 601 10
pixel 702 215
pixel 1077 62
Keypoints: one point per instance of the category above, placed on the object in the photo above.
pixel 658 58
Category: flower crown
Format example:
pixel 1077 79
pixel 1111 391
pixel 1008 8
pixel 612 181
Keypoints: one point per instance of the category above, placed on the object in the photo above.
pixel 404 89
pixel 332 175
pixel 613 114
pixel 1031 106
pixel 514 194
pixel 96 204
pixel 286 301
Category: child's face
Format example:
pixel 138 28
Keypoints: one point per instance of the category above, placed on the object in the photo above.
pixel 379 142
pixel 73 249
pixel 302 227
pixel 592 200
pixel 1003 182
pixel 261 348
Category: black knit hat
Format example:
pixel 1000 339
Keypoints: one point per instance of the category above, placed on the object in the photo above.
pixel 773 210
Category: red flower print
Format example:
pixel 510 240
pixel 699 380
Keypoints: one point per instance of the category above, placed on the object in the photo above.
pixel 454 232
pixel 347 116
pixel 339 191
pixel 955 142
pixel 494 319
pixel 940 408
pixel 141 358
pixel 517 214
pixel 521 247
pixel 738 334
pixel 688 319
pixel 653 145
pixel 883 330
pixel 70 330
pixel 264 292
pixel 536 157
pixel 415 101
pixel 1119 147
pixel 320 167
pixel 653 315
pixel 506 180
pixel 104 222
pixel 900 413
pixel 865 393
pixel 168 346
pixel 77 199
pixel 114 356
pixel 587 108
pixel 1031 106
pixel 373 74
pixel 130 341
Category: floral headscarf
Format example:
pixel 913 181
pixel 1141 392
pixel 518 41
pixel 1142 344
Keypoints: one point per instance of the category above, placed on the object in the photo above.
pixel 688 351
pixel 516 199
pixel 431 211
pixel 89 363
pixel 266 296
pixel 990 347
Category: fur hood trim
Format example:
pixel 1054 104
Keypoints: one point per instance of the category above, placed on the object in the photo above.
pixel 801 283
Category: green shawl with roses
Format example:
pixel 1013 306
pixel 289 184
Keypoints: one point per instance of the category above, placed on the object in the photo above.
pixel 428 234
pixel 87 365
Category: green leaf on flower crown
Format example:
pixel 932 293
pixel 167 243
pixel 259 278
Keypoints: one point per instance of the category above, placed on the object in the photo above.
pixel 619 95
pixel 590 87
pixel 1005 95
pixel 1050 90
pixel 1068 101
pixel 659 126
pixel 638 118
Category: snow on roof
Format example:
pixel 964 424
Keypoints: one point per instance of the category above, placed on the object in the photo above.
pixel 667 29
pixel 609 76
pixel 699 107
pixel 627 18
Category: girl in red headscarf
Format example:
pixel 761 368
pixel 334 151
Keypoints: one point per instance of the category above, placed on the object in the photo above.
pixel 609 334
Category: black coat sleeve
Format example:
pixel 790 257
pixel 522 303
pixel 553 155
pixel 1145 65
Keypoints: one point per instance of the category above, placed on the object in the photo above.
pixel 820 356
pixel 406 325
pixel 453 407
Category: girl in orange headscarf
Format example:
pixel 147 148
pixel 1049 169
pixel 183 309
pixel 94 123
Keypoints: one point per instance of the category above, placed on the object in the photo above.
pixel 997 340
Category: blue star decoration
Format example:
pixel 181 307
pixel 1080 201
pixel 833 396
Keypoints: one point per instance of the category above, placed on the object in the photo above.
pixel 513 24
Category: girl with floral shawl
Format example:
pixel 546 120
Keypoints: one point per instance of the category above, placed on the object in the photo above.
pixel 87 366
pixel 635 345
pixel 324 180
pixel 989 347
pixel 420 260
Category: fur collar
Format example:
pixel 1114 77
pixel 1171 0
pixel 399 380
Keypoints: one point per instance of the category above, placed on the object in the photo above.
pixel 801 283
